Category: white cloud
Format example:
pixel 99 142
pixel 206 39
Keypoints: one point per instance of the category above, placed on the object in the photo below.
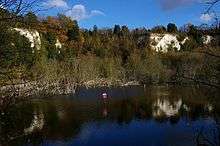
pixel 79 12
pixel 96 12
pixel 56 3
pixel 206 17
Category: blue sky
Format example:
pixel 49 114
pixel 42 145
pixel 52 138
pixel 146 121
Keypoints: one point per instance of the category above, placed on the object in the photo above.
pixel 133 13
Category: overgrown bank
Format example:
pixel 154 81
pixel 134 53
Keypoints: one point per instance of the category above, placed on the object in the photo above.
pixel 53 56
pixel 91 71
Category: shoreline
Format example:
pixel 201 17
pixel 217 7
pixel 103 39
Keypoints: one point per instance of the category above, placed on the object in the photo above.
pixel 44 88
pixel 35 88
pixel 13 94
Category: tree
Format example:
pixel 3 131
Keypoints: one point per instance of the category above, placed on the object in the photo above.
pixel 171 28
pixel 95 29
pixel 158 29
pixel 211 9
pixel 117 30
pixel 195 33
pixel 211 4
pixel 65 22
pixel 16 8
pixel 125 31
pixel 208 70
pixel 15 51
pixel 74 32
pixel 30 19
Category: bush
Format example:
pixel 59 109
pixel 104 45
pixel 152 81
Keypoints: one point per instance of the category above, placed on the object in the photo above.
pixel 189 45
pixel 145 70
pixel 15 50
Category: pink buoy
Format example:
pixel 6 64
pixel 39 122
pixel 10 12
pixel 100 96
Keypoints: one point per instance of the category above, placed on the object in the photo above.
pixel 104 95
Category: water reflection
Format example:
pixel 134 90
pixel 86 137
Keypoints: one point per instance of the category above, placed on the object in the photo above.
pixel 36 124
pixel 131 116
pixel 163 107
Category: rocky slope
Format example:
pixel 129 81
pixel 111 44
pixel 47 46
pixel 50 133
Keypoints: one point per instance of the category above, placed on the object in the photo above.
pixel 159 42
pixel 165 42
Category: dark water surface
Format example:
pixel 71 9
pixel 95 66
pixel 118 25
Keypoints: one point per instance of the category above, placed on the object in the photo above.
pixel 132 116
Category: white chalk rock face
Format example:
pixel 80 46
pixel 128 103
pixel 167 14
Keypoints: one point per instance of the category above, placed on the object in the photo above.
pixel 164 107
pixel 184 41
pixel 33 36
pixel 207 39
pixel 162 42
pixel 58 44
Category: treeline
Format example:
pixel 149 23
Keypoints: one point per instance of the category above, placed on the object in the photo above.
pixel 109 55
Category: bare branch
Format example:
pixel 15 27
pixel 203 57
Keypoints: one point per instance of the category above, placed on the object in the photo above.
pixel 211 10
pixel 211 4
pixel 201 82
pixel 208 53
pixel 16 8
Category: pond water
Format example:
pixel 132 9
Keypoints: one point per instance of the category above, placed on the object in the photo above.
pixel 131 116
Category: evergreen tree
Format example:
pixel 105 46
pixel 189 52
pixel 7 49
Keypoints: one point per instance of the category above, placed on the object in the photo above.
pixel 125 31
pixel 194 32
pixel 171 28
pixel 117 30
pixel 74 32
pixel 158 29
pixel 30 19
pixel 95 29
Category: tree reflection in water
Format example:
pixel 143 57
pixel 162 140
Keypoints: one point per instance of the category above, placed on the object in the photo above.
pixel 193 114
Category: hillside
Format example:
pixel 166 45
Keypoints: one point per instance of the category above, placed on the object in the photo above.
pixel 163 42
pixel 54 56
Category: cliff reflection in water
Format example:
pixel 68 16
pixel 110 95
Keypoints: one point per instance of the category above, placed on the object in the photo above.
pixel 133 113
pixel 165 107
pixel 36 124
